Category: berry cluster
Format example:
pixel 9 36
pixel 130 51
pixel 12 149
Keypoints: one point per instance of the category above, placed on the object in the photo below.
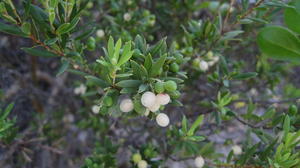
pixel 153 102
pixel 138 78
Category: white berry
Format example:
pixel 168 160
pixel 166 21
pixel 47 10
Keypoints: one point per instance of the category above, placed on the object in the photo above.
pixel 126 105
pixel 148 99
pixel 154 108
pixel 203 65
pixel 80 90
pixel 142 164
pixel 162 120
pixel 237 150
pixel 100 33
pixel 199 162
pixel 95 109
pixel 127 17
pixel 163 99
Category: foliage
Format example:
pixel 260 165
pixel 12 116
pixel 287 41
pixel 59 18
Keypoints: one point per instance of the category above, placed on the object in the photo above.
pixel 137 61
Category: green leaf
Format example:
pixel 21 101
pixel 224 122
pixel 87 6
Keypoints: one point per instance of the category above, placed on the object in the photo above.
pixel 158 65
pixel 154 50
pixel 244 76
pixel 184 125
pixel 196 138
pixel 86 34
pixel 110 47
pixel 248 154
pixel 128 90
pixel 117 51
pixel 6 111
pixel 64 66
pixel 140 43
pixel 126 55
pixel 148 62
pixel 51 41
pixel 229 157
pixel 138 70
pixel 13 30
pixel 195 125
pixel 76 72
pixel 39 52
pixel 292 17
pixel 63 28
pixel 232 34
pixel 286 125
pixel 129 83
pixel 40 17
pixel 97 81
pixel 279 43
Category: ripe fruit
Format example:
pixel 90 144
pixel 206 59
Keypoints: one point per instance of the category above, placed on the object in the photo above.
pixel 203 65
pixel 95 109
pixel 100 33
pixel 80 90
pixel 126 105
pixel 237 150
pixel 142 164
pixel 174 67
pixel 199 162
pixel 162 120
pixel 155 107
pixel 170 86
pixel 159 87
pixel 127 17
pixel 148 99
pixel 136 158
pixel 163 99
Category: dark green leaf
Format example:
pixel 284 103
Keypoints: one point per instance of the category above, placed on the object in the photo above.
pixel 64 66
pixel 195 125
pixel 97 81
pixel 244 76
pixel 6 111
pixel 39 52
pixel 156 67
pixel 292 17
pixel 13 30
pixel 129 83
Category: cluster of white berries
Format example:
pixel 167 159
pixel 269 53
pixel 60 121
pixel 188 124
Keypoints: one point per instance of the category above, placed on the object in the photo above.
pixel 204 65
pixel 237 150
pixel 127 17
pixel 80 90
pixel 152 103
pixel 199 162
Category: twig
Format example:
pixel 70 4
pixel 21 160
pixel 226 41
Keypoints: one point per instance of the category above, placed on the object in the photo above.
pixel 248 12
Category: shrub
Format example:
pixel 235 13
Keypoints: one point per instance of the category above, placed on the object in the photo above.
pixel 191 66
